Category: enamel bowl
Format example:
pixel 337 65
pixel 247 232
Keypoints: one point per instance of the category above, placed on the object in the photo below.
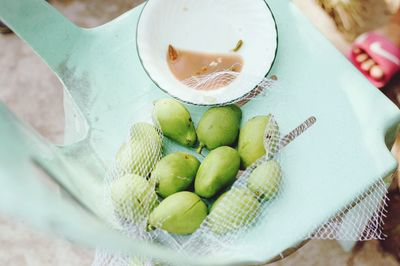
pixel 209 26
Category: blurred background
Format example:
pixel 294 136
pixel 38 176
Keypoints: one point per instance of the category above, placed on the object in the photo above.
pixel 35 95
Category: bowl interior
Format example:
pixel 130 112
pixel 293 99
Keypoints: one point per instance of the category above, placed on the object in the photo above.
pixel 210 26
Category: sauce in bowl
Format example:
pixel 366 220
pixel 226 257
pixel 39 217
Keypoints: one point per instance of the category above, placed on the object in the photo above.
pixel 204 71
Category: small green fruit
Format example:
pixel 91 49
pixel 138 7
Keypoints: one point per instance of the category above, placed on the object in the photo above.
pixel 137 157
pixel 219 126
pixel 174 173
pixel 133 197
pixel 233 210
pixel 217 171
pixel 175 121
pixel 146 132
pixel 218 201
pixel 142 151
pixel 265 180
pixel 251 140
pixel 180 213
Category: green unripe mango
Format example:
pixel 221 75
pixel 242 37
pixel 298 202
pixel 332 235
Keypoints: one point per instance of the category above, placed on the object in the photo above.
pixel 218 170
pixel 133 197
pixel 219 126
pixel 265 180
pixel 175 121
pixel 181 213
pixel 233 210
pixel 146 132
pixel 142 151
pixel 251 140
pixel 217 202
pixel 137 157
pixel 175 172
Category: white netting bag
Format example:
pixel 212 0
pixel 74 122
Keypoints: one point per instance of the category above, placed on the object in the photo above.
pixel 361 220
pixel 131 193
pixel 216 79
pixel 127 191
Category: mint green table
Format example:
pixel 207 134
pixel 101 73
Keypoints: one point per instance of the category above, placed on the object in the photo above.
pixel 106 89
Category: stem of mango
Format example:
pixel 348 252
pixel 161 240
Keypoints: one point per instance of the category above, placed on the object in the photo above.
pixel 200 148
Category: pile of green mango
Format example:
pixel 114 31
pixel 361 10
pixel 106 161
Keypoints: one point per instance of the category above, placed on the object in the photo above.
pixel 177 190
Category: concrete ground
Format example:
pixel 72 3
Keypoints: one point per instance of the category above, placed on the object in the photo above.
pixel 30 90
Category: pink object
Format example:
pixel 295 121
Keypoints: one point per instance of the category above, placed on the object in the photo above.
pixel 382 51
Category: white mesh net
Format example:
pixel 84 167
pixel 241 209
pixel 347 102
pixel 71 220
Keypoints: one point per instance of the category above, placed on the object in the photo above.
pixel 359 221
pixel 131 192
pixel 223 78
pixel 127 189
pixel 213 80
